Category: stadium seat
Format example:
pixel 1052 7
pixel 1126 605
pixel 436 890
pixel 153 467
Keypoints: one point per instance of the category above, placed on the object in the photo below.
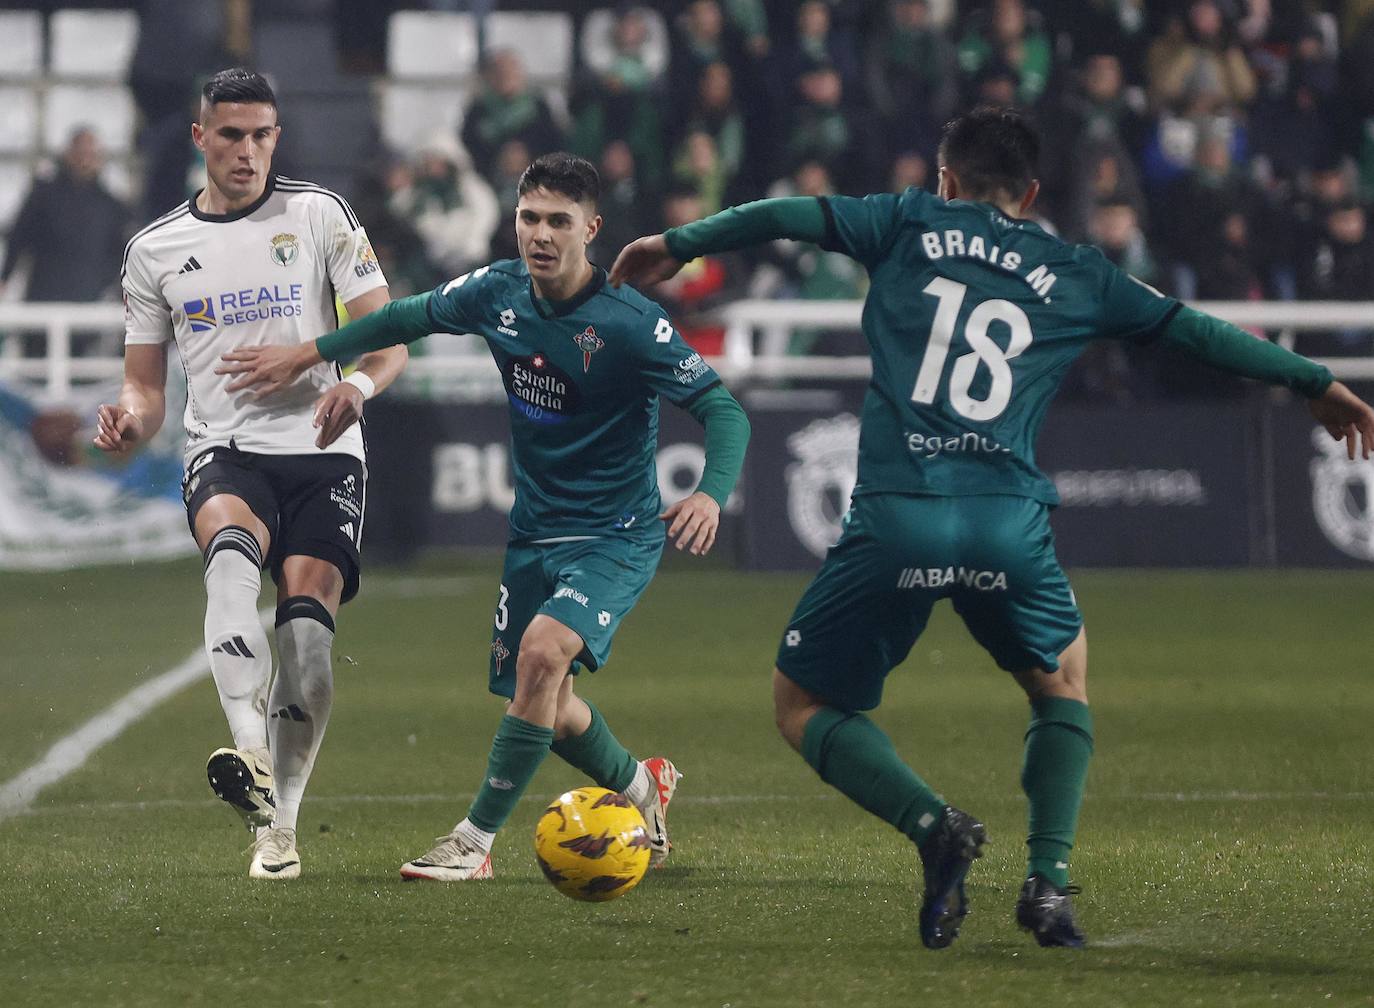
pixel 109 111
pixel 429 45
pixel 22 54
pixel 297 55
pixel 92 43
pixel 18 119
pixel 411 113
pixel 545 38
pixel 15 177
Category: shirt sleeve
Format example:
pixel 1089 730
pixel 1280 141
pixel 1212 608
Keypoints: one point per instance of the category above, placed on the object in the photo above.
pixel 1132 310
pixel 861 228
pixel 670 367
pixel 352 265
pixel 147 316
pixel 455 305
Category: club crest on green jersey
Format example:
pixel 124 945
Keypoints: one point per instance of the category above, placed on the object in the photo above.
pixel 589 343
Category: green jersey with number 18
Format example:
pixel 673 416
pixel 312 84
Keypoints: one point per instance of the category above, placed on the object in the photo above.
pixel 583 379
pixel 972 319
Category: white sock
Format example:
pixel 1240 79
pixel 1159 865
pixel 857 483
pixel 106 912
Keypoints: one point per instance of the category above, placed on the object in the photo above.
pixel 302 696
pixel 475 837
pixel 240 657
pixel 642 788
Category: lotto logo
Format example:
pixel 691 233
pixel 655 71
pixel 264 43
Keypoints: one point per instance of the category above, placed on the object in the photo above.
pixel 604 618
pixel 793 638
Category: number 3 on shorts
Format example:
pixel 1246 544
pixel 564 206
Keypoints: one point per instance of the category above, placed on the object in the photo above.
pixel 502 613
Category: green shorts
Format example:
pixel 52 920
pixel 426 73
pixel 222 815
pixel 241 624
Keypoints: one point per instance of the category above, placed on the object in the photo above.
pixel 588 585
pixel 993 556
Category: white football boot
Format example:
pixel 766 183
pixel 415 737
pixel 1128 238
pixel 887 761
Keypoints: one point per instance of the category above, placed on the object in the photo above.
pixel 655 810
pixel 243 779
pixel 274 855
pixel 453 859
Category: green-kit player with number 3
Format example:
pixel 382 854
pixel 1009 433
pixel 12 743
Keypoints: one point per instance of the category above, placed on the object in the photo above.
pixel 584 366
pixel 972 318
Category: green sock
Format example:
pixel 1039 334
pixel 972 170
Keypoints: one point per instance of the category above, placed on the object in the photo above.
pixel 598 754
pixel 516 752
pixel 1059 744
pixel 853 755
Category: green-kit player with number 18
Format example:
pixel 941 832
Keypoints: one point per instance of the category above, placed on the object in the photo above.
pixel 584 366
pixel 972 318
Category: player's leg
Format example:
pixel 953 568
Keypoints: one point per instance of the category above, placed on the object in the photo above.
pixel 229 507
pixel 596 586
pixel 1029 621
pixel 321 519
pixel 856 621
pixel 547 649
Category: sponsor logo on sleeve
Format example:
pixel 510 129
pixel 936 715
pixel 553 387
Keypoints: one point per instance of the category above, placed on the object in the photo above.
pixel 689 369
pixel 367 260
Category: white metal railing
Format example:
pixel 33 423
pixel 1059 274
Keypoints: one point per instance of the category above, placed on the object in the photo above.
pixel 756 339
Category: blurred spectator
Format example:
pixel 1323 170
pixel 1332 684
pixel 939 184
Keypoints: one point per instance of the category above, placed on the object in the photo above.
pixel 623 203
pixel 1101 173
pixel 697 167
pixel 700 39
pixel 715 113
pixel 815 45
pixel 1231 273
pixel 1114 227
pixel 1339 265
pixel 1015 36
pixel 451 207
pixel 749 18
pixel 909 169
pixel 628 45
pixel 400 249
pixel 910 77
pixel 70 229
pixel 1196 207
pixel 1198 65
pixel 1292 124
pixel 700 286
pixel 507 108
pixel 618 97
pixel 511 161
pixel 822 128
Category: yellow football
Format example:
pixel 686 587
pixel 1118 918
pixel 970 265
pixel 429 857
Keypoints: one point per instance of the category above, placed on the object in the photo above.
pixel 592 844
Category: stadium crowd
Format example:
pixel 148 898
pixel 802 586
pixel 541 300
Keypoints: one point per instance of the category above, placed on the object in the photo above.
pixel 1218 149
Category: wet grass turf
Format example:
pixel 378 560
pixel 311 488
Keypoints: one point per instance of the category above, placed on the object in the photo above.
pixel 1225 850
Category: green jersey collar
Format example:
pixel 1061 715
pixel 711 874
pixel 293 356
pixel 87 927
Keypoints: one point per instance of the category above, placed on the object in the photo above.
pixel 552 309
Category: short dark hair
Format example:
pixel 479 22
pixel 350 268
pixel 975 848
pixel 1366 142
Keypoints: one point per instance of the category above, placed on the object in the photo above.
pixel 238 84
pixel 563 173
pixel 993 150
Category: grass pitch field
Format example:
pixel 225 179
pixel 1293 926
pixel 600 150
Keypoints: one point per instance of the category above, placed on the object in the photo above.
pixel 1225 850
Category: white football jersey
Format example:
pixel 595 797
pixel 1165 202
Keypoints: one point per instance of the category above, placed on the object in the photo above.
pixel 264 275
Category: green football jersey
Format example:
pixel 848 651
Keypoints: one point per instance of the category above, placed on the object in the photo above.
pixel 583 378
pixel 972 319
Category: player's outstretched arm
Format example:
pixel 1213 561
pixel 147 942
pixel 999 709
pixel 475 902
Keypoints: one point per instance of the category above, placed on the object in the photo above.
pixel 269 369
pixel 693 522
pixel 142 404
pixel 655 258
pixel 342 406
pixel 1344 415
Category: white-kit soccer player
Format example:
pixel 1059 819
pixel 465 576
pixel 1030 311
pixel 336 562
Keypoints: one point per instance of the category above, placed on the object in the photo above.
pixel 275 482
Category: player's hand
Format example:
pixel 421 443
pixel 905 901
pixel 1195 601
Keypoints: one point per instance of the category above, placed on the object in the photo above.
pixel 1345 416
pixel 693 523
pixel 266 369
pixel 116 429
pixel 336 411
pixel 643 262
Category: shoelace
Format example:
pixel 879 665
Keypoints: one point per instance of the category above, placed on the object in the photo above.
pixel 450 846
pixel 274 844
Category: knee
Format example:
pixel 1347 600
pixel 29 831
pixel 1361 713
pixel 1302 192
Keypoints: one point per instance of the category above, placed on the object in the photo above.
pixel 793 707
pixel 542 666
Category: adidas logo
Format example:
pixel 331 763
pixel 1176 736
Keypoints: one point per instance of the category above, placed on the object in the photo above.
pixel 235 647
pixel 347 529
pixel 291 713
pixel 189 266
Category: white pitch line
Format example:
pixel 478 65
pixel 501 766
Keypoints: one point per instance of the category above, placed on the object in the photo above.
pixel 71 751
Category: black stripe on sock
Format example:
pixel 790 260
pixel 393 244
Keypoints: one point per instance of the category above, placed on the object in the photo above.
pixel 304 607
